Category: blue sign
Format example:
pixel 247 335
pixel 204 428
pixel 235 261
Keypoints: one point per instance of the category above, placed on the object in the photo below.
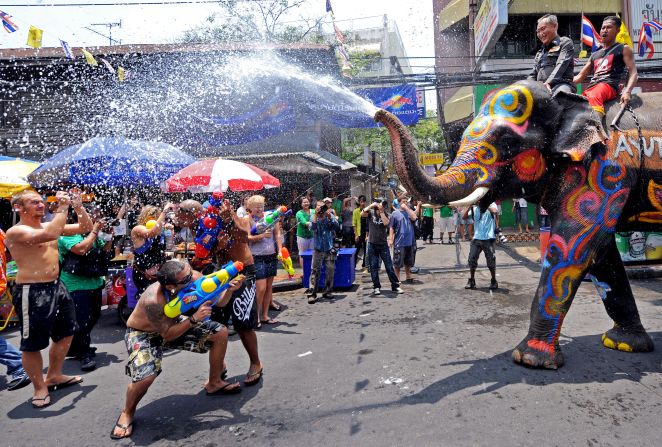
pixel 400 100
pixel 274 116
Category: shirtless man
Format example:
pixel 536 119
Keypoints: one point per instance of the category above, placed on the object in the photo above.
pixel 44 307
pixel 243 306
pixel 149 330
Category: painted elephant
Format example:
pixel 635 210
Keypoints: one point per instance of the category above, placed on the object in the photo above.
pixel 552 150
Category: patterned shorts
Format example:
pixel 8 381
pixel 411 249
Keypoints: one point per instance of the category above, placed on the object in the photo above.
pixel 146 348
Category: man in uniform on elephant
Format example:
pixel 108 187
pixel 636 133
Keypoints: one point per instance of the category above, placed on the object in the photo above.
pixel 555 61
pixel 608 65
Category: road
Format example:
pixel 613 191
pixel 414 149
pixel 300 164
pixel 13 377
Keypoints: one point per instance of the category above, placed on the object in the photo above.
pixel 430 367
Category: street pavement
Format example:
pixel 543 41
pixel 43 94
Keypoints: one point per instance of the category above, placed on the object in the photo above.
pixel 431 367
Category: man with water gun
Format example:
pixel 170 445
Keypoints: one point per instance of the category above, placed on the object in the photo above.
pixel 242 307
pixel 149 330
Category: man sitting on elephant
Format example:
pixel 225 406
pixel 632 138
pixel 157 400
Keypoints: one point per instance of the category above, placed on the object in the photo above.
pixel 608 66
pixel 554 63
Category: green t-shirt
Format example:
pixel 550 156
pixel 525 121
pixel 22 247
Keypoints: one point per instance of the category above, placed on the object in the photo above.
pixel 337 206
pixel 302 219
pixel 428 212
pixel 446 211
pixel 74 283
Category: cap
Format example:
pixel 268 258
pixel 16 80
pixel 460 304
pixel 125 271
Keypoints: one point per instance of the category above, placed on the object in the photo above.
pixel 327 199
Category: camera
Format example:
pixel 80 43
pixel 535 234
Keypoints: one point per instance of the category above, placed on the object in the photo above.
pixel 323 209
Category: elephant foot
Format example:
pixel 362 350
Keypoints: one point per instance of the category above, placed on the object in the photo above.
pixel 538 354
pixel 628 340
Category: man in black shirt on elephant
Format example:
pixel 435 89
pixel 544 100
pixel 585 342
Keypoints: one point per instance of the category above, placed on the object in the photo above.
pixel 554 63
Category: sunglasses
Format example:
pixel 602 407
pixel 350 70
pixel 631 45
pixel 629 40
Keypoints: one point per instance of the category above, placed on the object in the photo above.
pixel 187 279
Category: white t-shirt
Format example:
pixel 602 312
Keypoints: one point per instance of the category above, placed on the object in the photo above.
pixel 120 229
pixel 241 212
pixel 522 203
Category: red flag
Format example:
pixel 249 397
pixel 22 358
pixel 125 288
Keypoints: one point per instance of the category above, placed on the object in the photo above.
pixel 339 37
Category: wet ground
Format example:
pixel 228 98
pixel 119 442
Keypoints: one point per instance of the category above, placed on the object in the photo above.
pixel 430 367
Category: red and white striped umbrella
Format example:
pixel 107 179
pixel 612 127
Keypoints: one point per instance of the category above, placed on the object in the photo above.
pixel 217 174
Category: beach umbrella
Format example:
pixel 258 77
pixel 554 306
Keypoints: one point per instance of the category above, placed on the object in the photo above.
pixel 111 162
pixel 13 174
pixel 217 174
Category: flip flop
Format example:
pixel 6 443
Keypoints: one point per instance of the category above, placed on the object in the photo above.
pixel 225 391
pixel 72 381
pixel 41 399
pixel 270 321
pixel 257 374
pixel 126 427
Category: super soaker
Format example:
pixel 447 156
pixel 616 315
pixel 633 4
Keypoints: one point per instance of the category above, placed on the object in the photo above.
pixel 270 219
pixel 209 227
pixel 286 260
pixel 206 289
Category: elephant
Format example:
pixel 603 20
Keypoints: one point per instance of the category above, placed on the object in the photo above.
pixel 554 150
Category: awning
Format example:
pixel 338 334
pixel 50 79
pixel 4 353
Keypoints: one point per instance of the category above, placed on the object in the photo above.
pixel 453 13
pixel 306 162
pixel 460 105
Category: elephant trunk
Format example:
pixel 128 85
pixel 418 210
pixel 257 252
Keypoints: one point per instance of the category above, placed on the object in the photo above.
pixel 437 190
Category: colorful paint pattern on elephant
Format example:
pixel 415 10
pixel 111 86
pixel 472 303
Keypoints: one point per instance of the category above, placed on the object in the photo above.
pixel 654 193
pixel 590 213
pixel 477 155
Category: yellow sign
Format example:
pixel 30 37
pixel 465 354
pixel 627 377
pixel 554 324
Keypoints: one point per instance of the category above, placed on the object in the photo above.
pixel 431 159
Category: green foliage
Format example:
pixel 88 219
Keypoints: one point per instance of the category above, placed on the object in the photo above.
pixel 361 60
pixel 428 136
pixel 261 21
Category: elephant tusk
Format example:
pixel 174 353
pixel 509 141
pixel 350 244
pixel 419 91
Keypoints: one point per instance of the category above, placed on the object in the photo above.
pixel 472 198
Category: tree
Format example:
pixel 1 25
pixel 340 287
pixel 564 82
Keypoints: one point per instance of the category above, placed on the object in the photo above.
pixel 427 134
pixel 257 20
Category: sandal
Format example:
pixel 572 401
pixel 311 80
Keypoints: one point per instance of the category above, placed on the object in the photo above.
pixel 72 381
pixel 225 390
pixel 41 399
pixel 249 376
pixel 124 427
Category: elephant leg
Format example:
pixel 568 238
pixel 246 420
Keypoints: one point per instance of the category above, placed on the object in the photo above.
pixel 557 288
pixel 610 279
pixel 583 225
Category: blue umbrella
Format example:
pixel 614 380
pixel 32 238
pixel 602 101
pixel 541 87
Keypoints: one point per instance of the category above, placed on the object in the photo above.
pixel 111 162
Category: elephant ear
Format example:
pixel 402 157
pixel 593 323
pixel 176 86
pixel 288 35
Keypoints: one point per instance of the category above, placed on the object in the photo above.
pixel 579 127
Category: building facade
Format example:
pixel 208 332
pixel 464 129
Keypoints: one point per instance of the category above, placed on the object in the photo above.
pixel 512 53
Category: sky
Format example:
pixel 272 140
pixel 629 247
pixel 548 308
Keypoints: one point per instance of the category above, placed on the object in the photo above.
pixel 164 23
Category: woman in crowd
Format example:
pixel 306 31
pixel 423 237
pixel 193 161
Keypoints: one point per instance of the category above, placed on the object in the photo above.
pixel 264 248
pixel 346 215
pixel 361 230
pixel 304 232
pixel 148 246
pixel 84 261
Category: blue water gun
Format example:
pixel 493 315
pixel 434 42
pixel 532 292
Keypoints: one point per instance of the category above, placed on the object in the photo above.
pixel 205 289
pixel 270 219
pixel 209 227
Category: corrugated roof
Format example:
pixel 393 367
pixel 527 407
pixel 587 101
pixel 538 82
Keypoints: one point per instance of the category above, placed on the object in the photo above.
pixel 56 52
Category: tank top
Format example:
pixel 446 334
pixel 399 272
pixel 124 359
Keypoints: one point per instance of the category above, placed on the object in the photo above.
pixel 264 246
pixel 151 253
pixel 608 66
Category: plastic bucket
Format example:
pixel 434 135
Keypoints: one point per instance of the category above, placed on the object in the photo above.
pixel 544 241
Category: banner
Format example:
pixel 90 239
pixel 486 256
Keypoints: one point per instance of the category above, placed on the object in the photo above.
pixel 399 100
pixel 271 118
pixel 638 246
